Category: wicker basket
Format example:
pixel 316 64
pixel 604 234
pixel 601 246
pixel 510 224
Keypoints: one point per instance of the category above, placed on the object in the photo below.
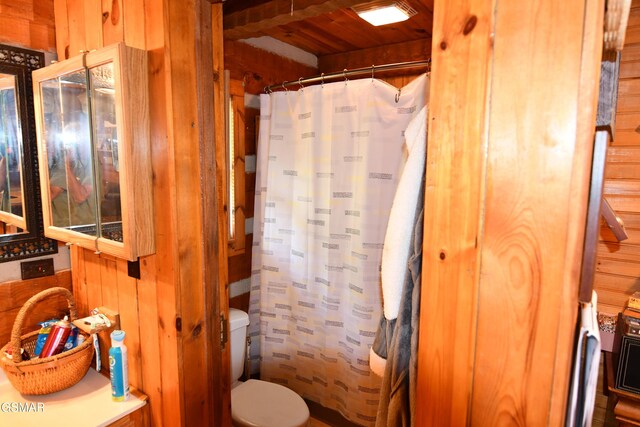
pixel 49 374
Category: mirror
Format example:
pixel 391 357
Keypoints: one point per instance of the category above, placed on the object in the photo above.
pixel 68 145
pixel 80 139
pixel 21 234
pixel 235 142
pixel 106 140
pixel 11 188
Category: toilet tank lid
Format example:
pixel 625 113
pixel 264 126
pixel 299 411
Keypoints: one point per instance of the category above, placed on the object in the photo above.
pixel 237 319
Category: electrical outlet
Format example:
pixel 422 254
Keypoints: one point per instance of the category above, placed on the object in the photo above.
pixel 38 268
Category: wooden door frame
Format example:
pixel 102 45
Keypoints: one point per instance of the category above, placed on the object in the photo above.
pixel 493 350
pixel 214 166
pixel 197 130
pixel 454 292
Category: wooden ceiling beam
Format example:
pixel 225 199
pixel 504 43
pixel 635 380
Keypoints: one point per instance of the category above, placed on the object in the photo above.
pixel 252 21
pixel 416 50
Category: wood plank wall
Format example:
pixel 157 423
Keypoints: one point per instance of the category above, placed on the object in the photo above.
pixel 618 263
pixel 164 312
pixel 416 50
pixel 102 280
pixel 507 184
pixel 15 293
pixel 28 23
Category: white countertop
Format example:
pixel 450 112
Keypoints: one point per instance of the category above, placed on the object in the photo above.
pixel 87 403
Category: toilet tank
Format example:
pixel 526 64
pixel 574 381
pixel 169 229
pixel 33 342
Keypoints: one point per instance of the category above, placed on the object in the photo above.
pixel 238 321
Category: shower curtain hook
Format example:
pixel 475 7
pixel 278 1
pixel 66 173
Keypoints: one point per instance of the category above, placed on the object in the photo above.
pixel 373 69
pixel 285 89
pixel 300 83
pixel 322 80
pixel 344 73
pixel 398 95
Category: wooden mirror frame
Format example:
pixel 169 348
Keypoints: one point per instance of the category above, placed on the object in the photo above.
pixel 32 243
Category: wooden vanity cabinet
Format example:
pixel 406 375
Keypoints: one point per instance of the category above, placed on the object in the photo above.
pixel 92 119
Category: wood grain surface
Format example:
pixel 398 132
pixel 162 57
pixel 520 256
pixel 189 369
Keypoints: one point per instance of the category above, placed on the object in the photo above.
pixel 15 293
pixel 618 263
pixel 528 295
pixel 169 334
pixel 455 176
pixel 217 294
pixel 507 145
pixel 28 23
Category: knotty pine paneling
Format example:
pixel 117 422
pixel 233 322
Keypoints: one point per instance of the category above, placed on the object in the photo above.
pixel 629 103
pixel 101 280
pixel 164 313
pixel 157 272
pixel 623 203
pixel 455 174
pixel 628 86
pixel 14 294
pixel 86 25
pixel 619 267
pixel 624 154
pixel 627 121
pixel 500 274
pixel 626 138
pixel 633 34
pixel 220 367
pixel 618 263
pixel 631 51
pixel 614 288
pixel 619 251
pixel 329 26
pixel 629 188
pixel 607 236
pixel 621 170
pixel 259 68
pixel 417 50
pixel 28 23
pixel 629 69
pixel 138 418
pixel 528 301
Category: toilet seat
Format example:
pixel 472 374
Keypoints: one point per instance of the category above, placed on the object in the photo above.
pixel 257 403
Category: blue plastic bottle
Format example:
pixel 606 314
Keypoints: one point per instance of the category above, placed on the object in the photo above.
pixel 118 367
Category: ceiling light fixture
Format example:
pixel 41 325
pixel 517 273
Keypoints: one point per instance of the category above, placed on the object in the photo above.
pixel 384 12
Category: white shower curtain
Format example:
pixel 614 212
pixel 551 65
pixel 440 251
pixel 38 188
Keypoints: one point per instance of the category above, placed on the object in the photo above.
pixel 329 158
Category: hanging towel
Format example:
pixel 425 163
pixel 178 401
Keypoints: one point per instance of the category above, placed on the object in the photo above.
pixel 394 352
pixel 399 339
pixel 397 242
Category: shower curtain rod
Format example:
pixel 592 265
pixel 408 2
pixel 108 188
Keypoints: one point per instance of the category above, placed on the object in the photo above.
pixel 346 73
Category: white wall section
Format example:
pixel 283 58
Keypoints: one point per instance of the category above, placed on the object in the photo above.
pixel 283 49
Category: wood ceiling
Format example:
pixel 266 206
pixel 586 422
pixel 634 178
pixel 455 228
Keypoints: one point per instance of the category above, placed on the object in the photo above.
pixel 321 27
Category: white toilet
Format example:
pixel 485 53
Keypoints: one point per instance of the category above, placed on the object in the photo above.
pixel 257 403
